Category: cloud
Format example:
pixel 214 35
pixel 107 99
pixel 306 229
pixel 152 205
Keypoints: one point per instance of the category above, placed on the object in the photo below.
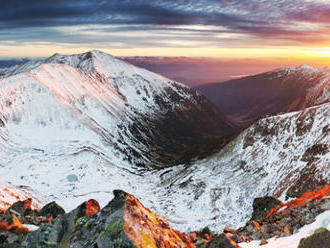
pixel 275 22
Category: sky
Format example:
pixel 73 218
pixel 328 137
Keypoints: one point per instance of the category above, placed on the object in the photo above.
pixel 202 28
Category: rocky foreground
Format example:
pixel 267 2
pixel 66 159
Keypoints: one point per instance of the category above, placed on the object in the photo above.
pixel 125 222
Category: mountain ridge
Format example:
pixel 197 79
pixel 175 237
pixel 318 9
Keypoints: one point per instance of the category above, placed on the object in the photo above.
pixel 122 91
pixel 282 90
pixel 69 133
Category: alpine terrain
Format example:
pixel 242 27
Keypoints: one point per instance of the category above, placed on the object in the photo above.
pixel 83 125
pixel 95 134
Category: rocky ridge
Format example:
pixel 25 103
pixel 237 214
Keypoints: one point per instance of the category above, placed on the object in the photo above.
pixel 125 223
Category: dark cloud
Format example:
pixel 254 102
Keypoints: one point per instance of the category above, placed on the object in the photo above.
pixel 285 20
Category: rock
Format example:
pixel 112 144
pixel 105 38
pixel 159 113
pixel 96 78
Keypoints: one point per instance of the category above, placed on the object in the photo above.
pixel 10 195
pixel 307 181
pixel 257 235
pixel 320 239
pixel 23 211
pixel 206 231
pixel 284 219
pixel 250 228
pixel 10 240
pixel 123 223
pixel 21 208
pixel 265 229
pixel 263 242
pixel 59 231
pixel 261 206
pixel 220 241
pixel 325 205
pixel 200 243
pixel 320 230
pixel 52 209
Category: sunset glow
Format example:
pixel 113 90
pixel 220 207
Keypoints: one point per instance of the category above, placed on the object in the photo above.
pixel 221 29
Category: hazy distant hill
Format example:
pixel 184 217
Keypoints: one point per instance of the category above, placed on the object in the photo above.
pixel 286 89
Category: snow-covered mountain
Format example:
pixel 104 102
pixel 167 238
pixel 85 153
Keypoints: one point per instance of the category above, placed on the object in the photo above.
pixel 82 125
pixel 283 90
pixel 98 104
pixel 77 127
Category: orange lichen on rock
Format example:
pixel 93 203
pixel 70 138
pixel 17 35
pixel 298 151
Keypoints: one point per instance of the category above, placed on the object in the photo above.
pixel 311 195
pixel 231 240
pixel 16 226
pixel 256 224
pixel 321 192
pixel 146 229
pixel 50 219
pixel 193 237
pixel 28 203
pixel 287 231
pixel 92 207
pixel 229 230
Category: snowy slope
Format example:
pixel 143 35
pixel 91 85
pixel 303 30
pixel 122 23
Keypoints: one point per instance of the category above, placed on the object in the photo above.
pixel 275 156
pixel 217 191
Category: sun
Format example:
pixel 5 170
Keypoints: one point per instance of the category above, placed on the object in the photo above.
pixel 326 54
pixel 323 52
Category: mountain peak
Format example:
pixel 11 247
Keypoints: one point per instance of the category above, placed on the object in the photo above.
pixel 306 67
pixel 85 61
pixel 90 53
pixel 99 52
pixel 301 68
pixel 90 61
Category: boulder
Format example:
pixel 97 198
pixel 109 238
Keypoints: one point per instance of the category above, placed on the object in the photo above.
pixel 21 208
pixel 58 232
pixel 23 211
pixel 320 239
pixel 52 209
pixel 123 223
pixel 221 241
pixel 10 239
pixel 262 206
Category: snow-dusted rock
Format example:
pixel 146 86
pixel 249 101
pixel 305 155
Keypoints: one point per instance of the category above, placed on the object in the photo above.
pixel 276 156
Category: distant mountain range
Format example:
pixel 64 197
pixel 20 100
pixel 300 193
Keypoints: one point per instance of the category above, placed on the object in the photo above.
pixel 12 62
pixel 194 71
pixel 284 90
